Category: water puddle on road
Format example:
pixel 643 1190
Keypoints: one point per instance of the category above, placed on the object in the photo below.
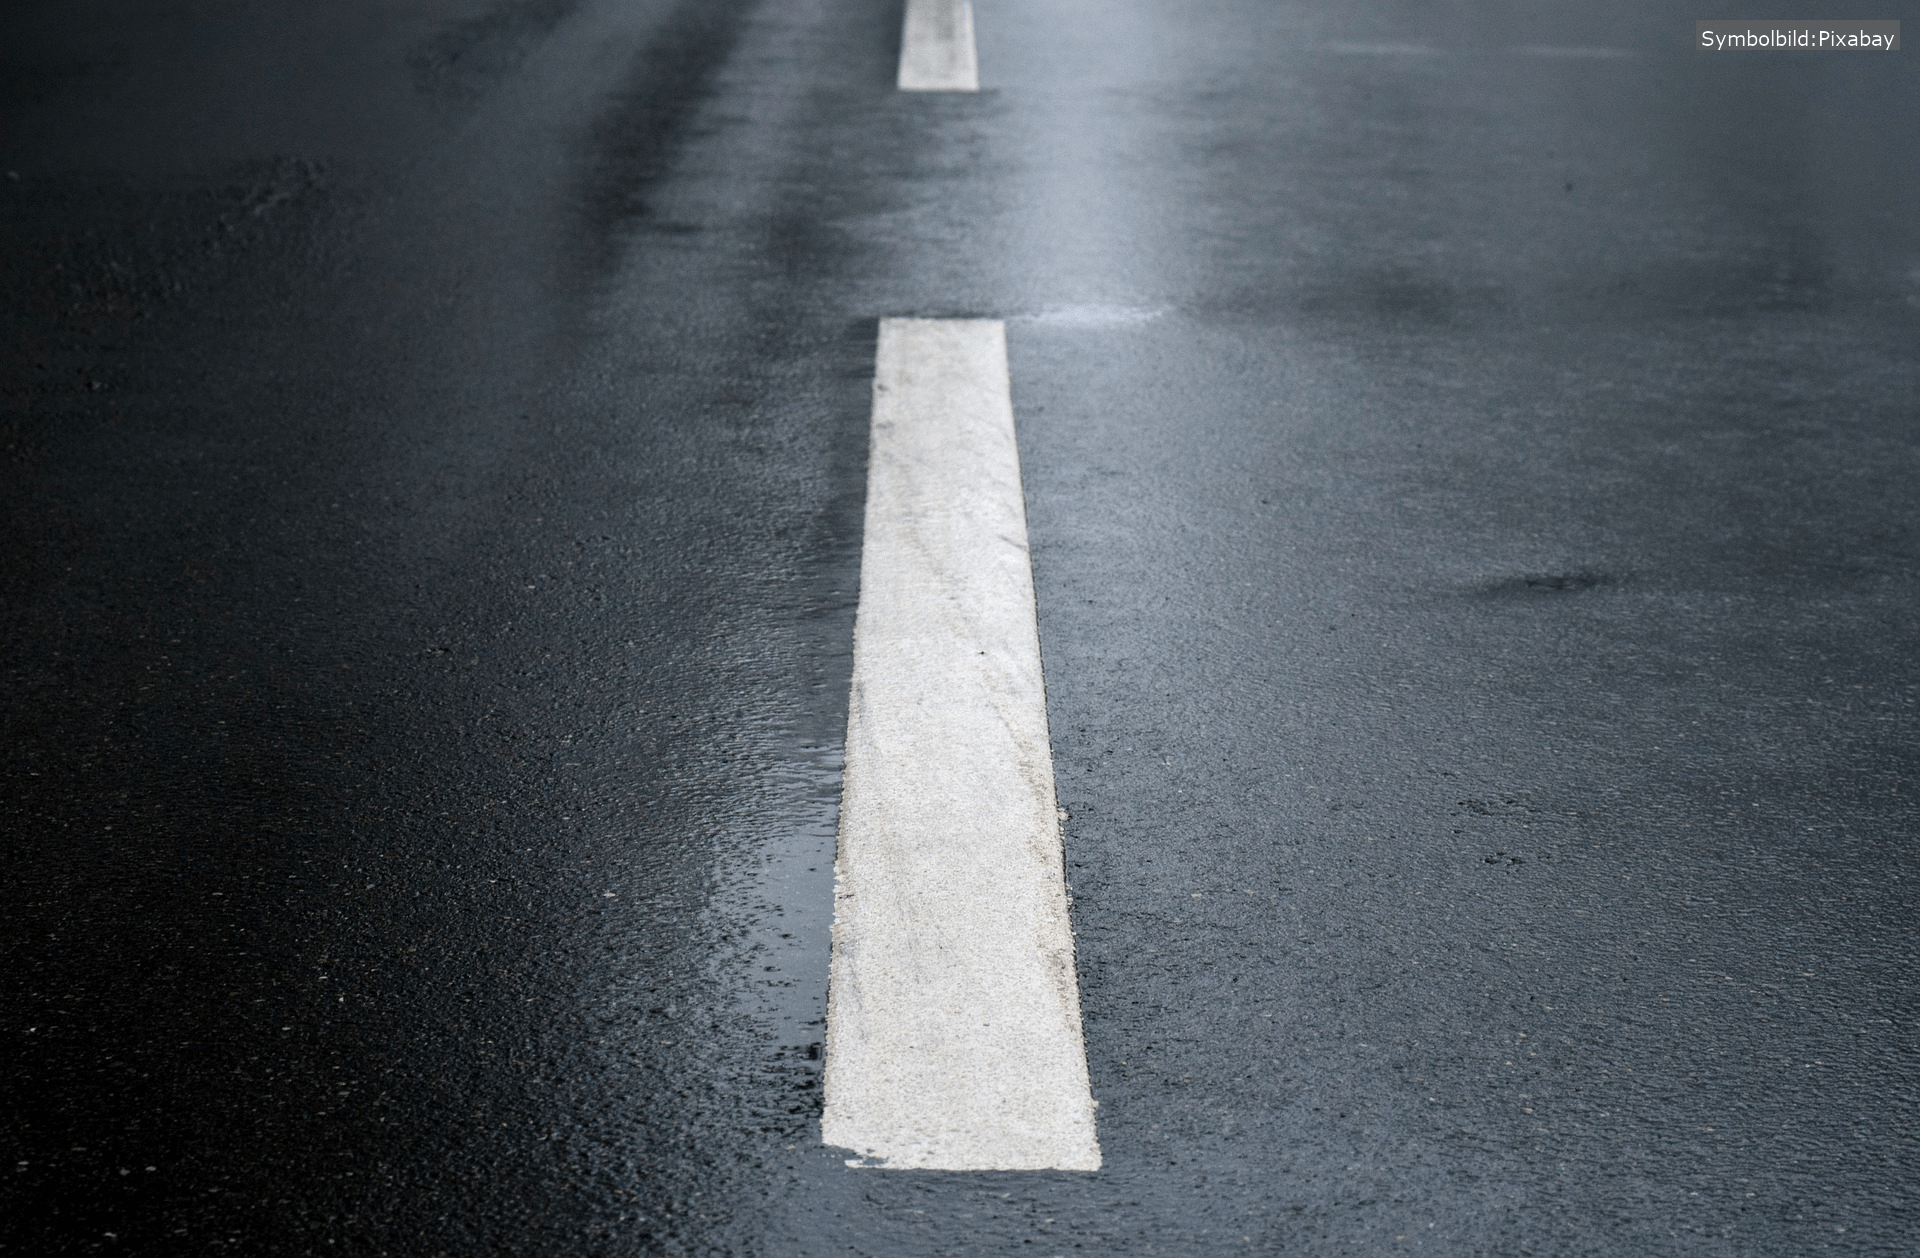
pixel 776 904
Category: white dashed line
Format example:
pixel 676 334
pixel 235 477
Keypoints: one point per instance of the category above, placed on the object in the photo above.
pixel 953 1013
pixel 936 47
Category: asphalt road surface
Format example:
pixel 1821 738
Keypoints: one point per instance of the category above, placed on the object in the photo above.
pixel 1470 459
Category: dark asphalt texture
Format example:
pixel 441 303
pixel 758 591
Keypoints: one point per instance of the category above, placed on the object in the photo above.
pixel 1470 454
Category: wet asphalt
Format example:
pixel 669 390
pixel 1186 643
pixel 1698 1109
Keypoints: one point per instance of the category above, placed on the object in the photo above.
pixel 1469 456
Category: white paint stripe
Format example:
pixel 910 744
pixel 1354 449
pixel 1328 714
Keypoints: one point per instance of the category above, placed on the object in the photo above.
pixel 936 47
pixel 953 1013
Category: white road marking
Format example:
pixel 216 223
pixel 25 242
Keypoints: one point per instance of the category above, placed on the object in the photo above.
pixel 936 47
pixel 953 1013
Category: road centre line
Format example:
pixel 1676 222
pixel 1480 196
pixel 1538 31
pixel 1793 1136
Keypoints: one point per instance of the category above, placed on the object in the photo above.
pixel 953 1012
pixel 936 47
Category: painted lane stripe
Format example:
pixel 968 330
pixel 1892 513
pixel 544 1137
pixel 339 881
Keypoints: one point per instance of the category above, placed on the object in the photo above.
pixel 936 47
pixel 953 1013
